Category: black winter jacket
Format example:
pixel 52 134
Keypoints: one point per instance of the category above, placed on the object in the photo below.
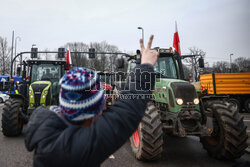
pixel 58 143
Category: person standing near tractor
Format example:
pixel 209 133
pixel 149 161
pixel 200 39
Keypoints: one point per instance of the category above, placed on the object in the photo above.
pixel 80 135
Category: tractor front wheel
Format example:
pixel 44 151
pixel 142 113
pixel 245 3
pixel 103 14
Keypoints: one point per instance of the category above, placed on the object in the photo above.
pixel 147 140
pixel 12 124
pixel 228 138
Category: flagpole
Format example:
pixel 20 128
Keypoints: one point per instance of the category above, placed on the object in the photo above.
pixel 176 26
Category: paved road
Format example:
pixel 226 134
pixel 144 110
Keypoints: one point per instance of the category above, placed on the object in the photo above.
pixel 177 152
pixel 12 150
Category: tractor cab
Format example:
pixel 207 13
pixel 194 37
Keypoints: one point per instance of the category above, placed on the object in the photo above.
pixel 44 82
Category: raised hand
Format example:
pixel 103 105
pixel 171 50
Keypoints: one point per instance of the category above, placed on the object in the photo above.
pixel 148 55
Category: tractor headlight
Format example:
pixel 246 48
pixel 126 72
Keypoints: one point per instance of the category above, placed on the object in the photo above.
pixel 43 96
pixel 31 104
pixel 30 91
pixel 45 91
pixel 179 101
pixel 31 96
pixel 196 101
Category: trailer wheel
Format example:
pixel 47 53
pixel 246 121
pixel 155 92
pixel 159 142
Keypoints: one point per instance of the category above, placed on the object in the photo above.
pixel 147 140
pixel 235 103
pixel 228 138
pixel 12 124
pixel 1 100
pixel 247 105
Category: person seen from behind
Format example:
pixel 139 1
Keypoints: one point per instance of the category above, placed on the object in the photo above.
pixel 78 133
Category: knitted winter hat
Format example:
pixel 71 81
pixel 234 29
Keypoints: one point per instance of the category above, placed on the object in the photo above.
pixel 81 94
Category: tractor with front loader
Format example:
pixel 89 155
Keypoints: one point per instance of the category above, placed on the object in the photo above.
pixel 176 109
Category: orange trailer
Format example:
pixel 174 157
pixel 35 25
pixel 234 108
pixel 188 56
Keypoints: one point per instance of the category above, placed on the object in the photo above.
pixel 234 85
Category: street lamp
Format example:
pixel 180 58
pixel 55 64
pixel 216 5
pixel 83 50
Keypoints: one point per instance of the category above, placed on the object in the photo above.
pixel 33 45
pixel 140 28
pixel 19 39
pixel 231 61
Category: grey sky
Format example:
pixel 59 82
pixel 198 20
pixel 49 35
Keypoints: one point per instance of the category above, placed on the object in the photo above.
pixel 219 27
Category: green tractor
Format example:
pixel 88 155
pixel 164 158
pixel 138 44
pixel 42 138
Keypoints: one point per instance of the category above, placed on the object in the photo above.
pixel 176 109
pixel 39 87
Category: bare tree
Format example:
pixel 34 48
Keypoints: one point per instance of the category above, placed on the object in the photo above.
pixel 78 59
pixel 45 56
pixel 187 71
pixel 4 57
pixel 104 61
pixel 101 62
pixel 221 67
pixel 194 61
pixel 240 64
pixel 243 64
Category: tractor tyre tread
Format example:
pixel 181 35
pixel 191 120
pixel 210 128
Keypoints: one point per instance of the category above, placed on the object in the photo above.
pixel 151 138
pixel 11 125
pixel 233 136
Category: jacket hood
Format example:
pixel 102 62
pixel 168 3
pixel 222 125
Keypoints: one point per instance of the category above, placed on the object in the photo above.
pixel 38 129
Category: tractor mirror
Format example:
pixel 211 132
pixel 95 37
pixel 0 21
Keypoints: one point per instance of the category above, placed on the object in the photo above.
pixel 120 63
pixel 201 62
pixel 18 71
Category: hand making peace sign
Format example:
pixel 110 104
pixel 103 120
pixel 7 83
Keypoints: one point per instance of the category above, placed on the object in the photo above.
pixel 148 55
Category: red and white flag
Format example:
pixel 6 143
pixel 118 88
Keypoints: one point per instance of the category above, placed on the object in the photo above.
pixel 176 43
pixel 68 59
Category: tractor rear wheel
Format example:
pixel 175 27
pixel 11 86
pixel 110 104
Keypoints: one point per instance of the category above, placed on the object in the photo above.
pixel 147 140
pixel 228 138
pixel 12 124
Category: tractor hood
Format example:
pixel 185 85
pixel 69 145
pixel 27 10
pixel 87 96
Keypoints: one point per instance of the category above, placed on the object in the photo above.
pixel 166 82
pixel 40 93
pixel 185 91
pixel 172 89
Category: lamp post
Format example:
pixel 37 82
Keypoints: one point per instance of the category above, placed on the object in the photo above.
pixel 12 45
pixel 231 61
pixel 19 39
pixel 140 28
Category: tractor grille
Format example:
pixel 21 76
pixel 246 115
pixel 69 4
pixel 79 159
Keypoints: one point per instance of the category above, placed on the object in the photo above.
pixel 38 89
pixel 185 91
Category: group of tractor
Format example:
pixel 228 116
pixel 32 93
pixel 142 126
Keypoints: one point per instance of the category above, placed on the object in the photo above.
pixel 175 108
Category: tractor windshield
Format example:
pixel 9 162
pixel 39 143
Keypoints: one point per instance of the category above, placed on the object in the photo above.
pixel 45 72
pixel 166 67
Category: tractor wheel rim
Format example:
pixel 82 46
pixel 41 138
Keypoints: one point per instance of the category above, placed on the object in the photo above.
pixel 136 138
